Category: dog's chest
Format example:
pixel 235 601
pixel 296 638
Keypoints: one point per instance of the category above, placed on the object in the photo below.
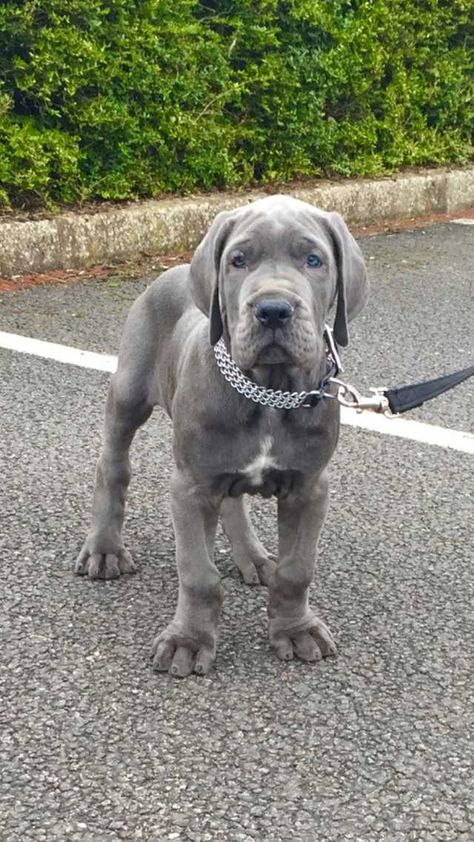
pixel 265 461
pixel 265 453
pixel 265 468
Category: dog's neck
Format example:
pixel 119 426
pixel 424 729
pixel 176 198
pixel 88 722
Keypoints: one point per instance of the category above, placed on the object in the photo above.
pixel 283 376
pixel 288 378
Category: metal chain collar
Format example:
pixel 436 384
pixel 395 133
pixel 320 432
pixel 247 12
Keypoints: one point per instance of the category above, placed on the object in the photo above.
pixel 275 397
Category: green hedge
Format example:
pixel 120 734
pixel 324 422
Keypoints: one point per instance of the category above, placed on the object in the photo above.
pixel 112 99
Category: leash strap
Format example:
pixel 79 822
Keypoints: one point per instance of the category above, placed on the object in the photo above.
pixel 408 397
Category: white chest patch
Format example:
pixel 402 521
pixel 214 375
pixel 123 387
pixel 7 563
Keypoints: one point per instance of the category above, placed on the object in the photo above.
pixel 263 461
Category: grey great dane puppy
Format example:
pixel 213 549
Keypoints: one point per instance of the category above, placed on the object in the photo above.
pixel 264 278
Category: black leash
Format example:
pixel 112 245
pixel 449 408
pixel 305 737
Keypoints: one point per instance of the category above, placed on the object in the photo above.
pixel 403 398
pixel 408 397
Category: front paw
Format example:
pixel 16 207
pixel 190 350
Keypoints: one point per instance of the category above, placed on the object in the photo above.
pixel 310 641
pixel 103 560
pixel 181 653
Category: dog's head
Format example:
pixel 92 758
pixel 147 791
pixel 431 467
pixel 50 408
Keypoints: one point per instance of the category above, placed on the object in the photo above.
pixel 267 276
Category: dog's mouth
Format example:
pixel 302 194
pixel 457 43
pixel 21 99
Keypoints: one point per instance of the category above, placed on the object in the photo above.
pixel 252 351
pixel 273 354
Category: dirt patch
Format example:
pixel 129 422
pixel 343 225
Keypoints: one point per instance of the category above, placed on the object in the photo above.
pixel 108 272
pixel 410 223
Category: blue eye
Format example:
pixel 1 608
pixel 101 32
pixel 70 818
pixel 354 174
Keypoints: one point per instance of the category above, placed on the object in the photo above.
pixel 239 261
pixel 313 261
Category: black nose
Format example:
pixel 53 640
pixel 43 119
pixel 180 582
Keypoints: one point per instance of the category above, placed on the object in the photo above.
pixel 273 312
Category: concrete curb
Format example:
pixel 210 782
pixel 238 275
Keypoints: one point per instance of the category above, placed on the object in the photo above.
pixel 78 240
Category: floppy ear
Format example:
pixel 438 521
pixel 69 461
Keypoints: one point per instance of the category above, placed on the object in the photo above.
pixel 205 269
pixel 352 283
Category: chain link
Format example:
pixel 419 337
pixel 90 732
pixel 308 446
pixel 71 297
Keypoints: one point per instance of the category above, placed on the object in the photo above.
pixel 259 394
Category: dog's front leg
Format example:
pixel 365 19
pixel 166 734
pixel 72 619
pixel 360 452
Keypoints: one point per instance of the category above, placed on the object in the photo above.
pixel 188 644
pixel 294 629
pixel 103 555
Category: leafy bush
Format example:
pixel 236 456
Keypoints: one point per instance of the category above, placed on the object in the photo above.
pixel 114 99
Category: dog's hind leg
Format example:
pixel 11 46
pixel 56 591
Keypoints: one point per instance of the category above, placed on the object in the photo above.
pixel 248 553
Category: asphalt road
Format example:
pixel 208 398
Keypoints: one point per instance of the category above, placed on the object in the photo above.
pixel 374 746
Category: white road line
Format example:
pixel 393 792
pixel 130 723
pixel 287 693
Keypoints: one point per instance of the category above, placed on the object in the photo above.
pixel 405 429
pixel 60 353
pixel 401 428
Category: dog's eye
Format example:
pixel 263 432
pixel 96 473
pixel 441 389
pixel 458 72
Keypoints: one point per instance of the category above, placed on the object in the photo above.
pixel 239 260
pixel 313 261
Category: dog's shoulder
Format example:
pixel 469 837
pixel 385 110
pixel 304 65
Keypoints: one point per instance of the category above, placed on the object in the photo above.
pixel 167 300
pixel 171 290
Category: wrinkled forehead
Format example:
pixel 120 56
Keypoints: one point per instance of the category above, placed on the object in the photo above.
pixel 280 224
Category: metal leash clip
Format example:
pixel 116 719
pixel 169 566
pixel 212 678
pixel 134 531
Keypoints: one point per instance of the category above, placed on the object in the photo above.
pixel 350 397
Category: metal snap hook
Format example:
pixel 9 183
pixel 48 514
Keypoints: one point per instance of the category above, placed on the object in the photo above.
pixel 351 398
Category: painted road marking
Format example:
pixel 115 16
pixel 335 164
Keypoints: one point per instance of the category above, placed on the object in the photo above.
pixel 413 430
pixel 60 353
pixel 401 428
